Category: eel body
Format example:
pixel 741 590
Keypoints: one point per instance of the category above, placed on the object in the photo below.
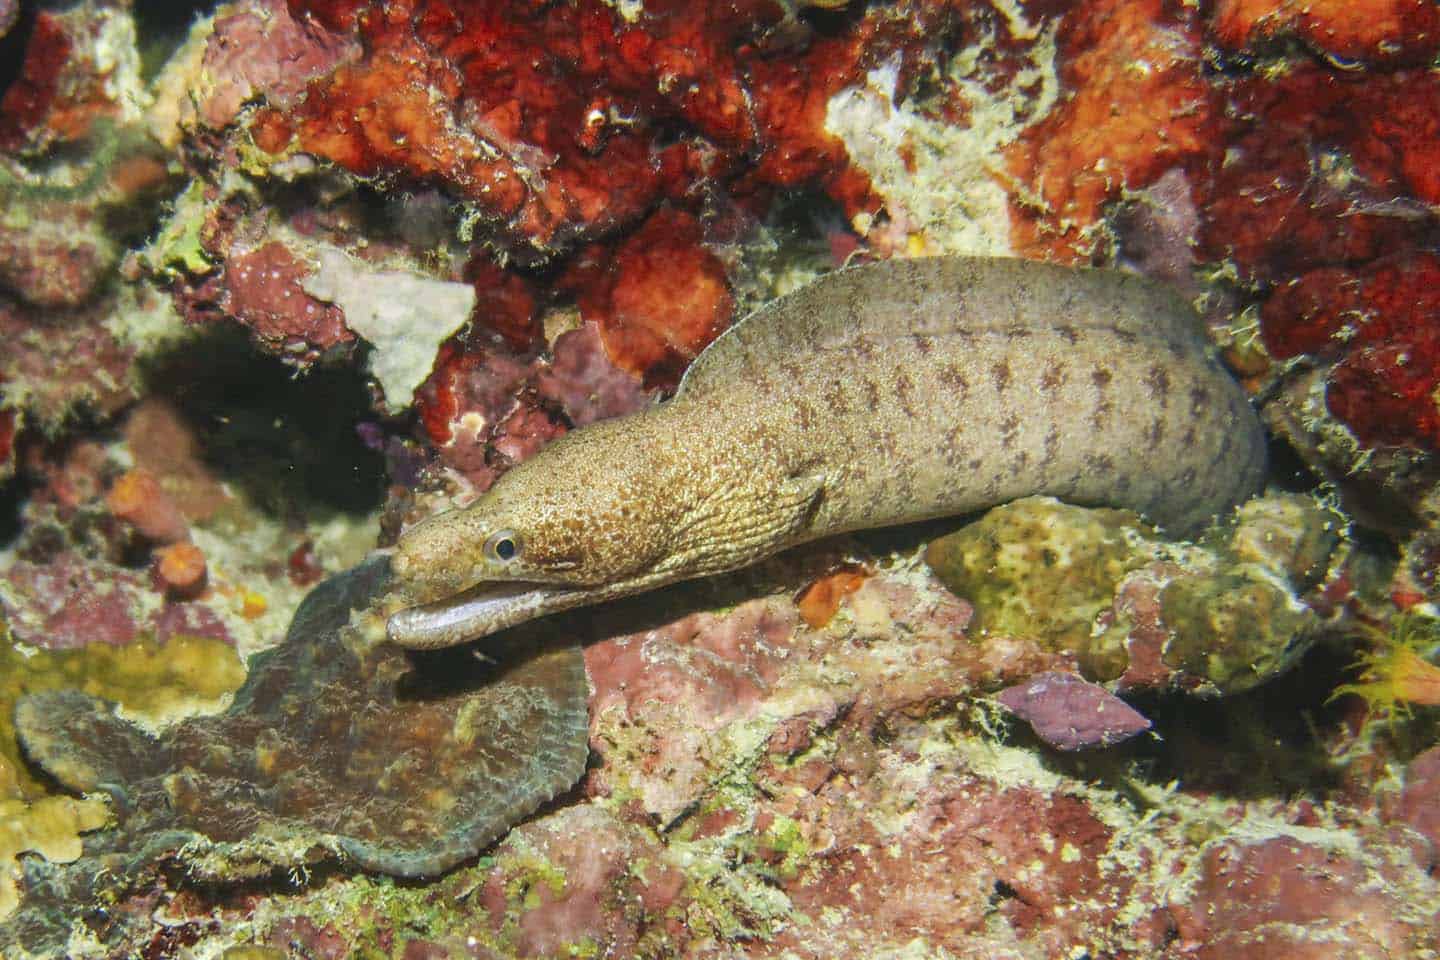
pixel 878 395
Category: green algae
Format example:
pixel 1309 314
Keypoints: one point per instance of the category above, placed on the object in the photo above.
pixel 179 247
pixel 86 177
pixel 1044 569
pixel 1236 629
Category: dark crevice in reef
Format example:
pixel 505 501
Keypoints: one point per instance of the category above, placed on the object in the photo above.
pixel 13 44
pixel 162 26
pixel 288 441
pixel 1287 469
pixel 12 495
pixel 1266 742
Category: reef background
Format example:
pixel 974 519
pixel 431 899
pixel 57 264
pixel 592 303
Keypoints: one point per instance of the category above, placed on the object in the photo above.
pixel 278 279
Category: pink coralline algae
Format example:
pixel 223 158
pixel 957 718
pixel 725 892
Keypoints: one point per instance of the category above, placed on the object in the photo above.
pixel 261 289
pixel 1070 713
pixel 486 408
pixel 582 381
pixel 1418 805
pixel 258 51
pixel 74 364
pixel 1292 897
pixel 69 602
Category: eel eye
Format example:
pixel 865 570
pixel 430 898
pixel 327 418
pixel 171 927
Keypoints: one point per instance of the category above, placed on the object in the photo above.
pixel 503 546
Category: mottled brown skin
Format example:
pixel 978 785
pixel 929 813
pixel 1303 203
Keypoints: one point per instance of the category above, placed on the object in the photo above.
pixel 879 395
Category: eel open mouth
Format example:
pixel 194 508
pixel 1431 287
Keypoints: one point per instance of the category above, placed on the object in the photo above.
pixel 481 611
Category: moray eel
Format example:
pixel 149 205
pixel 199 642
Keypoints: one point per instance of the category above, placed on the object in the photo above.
pixel 878 395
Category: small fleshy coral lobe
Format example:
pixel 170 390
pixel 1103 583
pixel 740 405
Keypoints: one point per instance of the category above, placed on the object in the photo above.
pixel 263 291
pixel 9 426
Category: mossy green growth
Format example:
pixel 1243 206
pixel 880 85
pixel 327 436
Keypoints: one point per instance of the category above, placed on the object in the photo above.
pixel 1237 628
pixel 253 953
pixel 178 248
pixel 782 845
pixel 1291 534
pixel 153 682
pixel 532 871
pixel 1043 569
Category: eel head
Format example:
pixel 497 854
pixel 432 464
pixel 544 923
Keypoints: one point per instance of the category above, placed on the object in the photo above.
pixel 564 529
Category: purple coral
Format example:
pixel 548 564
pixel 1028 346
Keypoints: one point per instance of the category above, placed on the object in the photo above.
pixel 1072 714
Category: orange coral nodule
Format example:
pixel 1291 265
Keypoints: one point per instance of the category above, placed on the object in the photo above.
pixel 819 602
pixel 138 499
pixel 181 568
pixel 252 605
pixel 667 298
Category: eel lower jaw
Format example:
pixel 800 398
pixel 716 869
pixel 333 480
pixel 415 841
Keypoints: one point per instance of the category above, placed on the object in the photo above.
pixel 480 611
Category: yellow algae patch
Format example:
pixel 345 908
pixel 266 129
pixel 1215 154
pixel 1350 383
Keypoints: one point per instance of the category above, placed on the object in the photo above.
pixel 154 683
pixel 50 827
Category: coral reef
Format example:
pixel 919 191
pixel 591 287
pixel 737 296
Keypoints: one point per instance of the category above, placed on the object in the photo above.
pixel 295 265
pixel 1120 128
pixel 759 780
pixel 548 121
pixel 1351 289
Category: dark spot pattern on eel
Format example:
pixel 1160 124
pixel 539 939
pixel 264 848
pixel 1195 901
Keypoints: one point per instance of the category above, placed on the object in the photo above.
pixel 1059 377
